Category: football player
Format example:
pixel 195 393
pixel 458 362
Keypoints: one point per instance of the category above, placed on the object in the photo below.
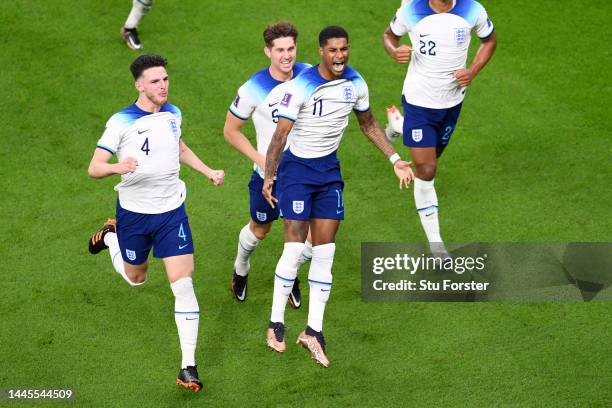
pixel 146 137
pixel 259 98
pixel 315 108
pixel 435 85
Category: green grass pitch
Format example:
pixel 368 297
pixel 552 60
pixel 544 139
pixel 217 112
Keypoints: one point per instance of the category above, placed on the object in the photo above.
pixel 529 162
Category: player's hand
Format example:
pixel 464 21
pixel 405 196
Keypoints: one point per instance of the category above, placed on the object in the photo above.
pixel 402 54
pixel 217 177
pixel 266 191
pixel 127 165
pixel 463 76
pixel 404 173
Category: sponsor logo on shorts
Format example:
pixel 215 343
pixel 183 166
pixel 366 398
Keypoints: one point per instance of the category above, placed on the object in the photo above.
pixel 417 135
pixel 131 255
pixel 298 206
pixel 261 216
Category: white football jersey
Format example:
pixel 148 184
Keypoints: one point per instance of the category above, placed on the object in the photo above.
pixel 259 97
pixel 440 43
pixel 320 110
pixel 153 140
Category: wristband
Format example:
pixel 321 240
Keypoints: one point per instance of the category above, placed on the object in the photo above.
pixel 394 158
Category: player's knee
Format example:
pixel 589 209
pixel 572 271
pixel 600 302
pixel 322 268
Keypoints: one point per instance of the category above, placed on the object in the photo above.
pixel 136 280
pixel 260 230
pixel 296 231
pixel 426 171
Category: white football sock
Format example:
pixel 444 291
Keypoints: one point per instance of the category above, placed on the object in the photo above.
pixel 187 318
pixel 426 202
pixel 110 239
pixel 320 281
pixel 139 9
pixel 306 254
pixel 284 276
pixel 247 241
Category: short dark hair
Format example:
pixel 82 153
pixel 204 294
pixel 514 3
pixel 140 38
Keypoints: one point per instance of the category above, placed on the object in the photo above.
pixel 332 32
pixel 279 30
pixel 145 62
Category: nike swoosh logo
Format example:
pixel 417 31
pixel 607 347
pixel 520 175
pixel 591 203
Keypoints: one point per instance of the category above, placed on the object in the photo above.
pixel 316 99
pixel 183 246
pixel 429 215
pixel 193 318
pixel 325 290
pixel 241 296
pixel 287 286
pixel 339 212
pixel 272 104
pixel 424 35
pixel 140 132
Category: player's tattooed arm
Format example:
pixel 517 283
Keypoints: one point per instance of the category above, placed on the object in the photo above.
pixel 372 130
pixel 370 127
pixel 277 145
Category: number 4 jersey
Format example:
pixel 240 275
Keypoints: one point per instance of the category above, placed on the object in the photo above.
pixel 440 43
pixel 153 140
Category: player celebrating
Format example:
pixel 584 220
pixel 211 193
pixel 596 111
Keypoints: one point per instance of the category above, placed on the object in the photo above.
pixel 435 86
pixel 316 106
pixel 146 136
pixel 129 31
pixel 259 97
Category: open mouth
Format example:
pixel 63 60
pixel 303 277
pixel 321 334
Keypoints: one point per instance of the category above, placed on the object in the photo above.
pixel 338 66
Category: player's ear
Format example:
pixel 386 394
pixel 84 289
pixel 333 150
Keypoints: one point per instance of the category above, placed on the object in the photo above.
pixel 267 51
pixel 138 86
pixel 321 51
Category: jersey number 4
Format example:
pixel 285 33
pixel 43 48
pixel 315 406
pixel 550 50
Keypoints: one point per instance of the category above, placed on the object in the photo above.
pixel 425 50
pixel 145 146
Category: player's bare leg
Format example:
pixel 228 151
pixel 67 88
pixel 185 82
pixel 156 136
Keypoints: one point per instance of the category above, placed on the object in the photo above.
pixel 186 315
pixel 136 274
pixel 320 281
pixel 284 277
pixel 426 200
pixel 106 237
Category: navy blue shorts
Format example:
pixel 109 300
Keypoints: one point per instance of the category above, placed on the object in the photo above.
pixel 168 233
pixel 261 211
pixel 425 127
pixel 310 188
